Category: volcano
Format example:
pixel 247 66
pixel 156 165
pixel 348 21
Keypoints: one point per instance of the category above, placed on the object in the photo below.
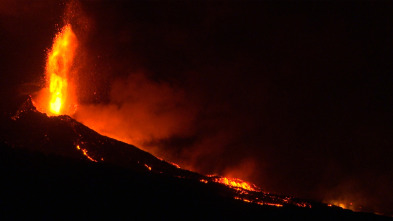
pixel 55 167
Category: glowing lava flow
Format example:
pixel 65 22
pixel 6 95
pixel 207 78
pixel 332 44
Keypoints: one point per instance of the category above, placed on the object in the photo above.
pixel 85 153
pixel 236 183
pixel 58 96
pixel 250 193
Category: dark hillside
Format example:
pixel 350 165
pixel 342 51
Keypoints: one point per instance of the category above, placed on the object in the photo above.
pixel 44 176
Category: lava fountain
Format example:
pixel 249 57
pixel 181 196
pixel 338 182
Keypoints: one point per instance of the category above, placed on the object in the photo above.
pixel 58 97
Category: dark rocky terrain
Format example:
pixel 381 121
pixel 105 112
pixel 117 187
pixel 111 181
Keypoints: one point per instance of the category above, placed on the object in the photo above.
pixel 45 175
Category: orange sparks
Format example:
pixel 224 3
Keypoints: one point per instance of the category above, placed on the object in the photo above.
pixel 58 96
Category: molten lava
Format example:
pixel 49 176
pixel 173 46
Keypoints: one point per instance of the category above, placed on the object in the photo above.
pixel 57 87
pixel 84 151
pixel 58 97
pixel 236 183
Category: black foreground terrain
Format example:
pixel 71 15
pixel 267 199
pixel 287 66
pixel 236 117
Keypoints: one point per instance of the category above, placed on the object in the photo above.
pixel 45 175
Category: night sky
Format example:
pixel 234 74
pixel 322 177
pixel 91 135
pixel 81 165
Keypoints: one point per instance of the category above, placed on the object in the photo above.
pixel 295 97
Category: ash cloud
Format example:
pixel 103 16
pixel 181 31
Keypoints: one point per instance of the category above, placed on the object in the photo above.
pixel 140 110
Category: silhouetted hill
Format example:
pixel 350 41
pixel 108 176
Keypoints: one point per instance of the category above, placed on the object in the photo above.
pixel 45 176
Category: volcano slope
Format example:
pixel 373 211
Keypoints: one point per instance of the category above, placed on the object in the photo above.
pixel 57 168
